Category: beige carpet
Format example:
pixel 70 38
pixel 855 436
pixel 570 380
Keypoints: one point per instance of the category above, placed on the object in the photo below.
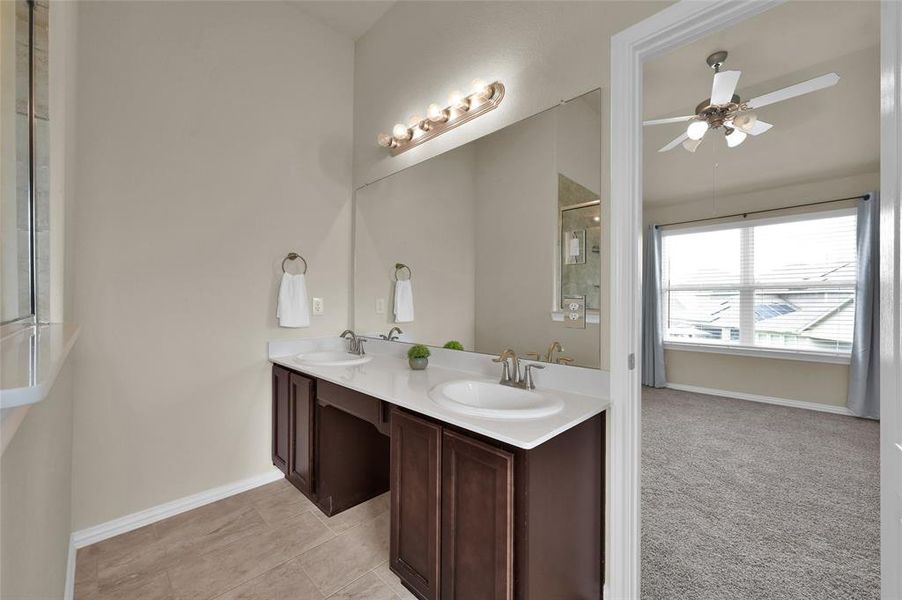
pixel 742 500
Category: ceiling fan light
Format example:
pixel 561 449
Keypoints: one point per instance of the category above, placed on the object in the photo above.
pixel 696 130
pixel 745 121
pixel 735 137
pixel 691 145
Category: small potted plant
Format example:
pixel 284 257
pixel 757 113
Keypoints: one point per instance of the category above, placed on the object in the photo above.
pixel 454 345
pixel 418 357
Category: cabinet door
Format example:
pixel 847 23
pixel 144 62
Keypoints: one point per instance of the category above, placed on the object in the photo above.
pixel 477 520
pixel 415 497
pixel 301 409
pixel 280 418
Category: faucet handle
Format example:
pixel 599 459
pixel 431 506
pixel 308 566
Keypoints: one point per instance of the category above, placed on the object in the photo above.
pixel 528 376
pixel 360 349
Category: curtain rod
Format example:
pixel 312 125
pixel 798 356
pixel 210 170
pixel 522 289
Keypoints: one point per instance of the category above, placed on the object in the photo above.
pixel 767 210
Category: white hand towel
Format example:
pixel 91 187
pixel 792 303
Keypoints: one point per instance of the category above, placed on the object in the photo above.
pixel 403 301
pixel 293 309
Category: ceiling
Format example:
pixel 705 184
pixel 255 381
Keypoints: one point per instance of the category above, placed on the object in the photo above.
pixel 352 18
pixel 830 133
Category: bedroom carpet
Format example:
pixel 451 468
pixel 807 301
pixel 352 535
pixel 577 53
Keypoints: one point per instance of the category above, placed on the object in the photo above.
pixel 744 500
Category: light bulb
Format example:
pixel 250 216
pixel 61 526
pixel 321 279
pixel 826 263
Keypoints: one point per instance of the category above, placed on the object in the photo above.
pixel 596 219
pixel 735 137
pixel 457 100
pixel 479 89
pixel 436 113
pixel 697 129
pixel 414 120
pixel 401 132
pixel 745 121
pixel 691 145
pixel 385 140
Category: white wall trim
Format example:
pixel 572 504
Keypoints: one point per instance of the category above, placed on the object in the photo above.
pixel 97 533
pixel 828 408
pixel 69 592
pixel 836 358
pixel 890 296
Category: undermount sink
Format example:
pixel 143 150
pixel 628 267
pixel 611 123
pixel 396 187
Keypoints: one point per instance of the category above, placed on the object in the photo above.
pixel 493 400
pixel 331 359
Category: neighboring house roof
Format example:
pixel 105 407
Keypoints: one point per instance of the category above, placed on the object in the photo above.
pixel 825 314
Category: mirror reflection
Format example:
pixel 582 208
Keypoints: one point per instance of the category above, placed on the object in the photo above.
pixel 497 244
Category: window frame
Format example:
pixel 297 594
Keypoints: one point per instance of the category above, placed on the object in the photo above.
pixel 746 287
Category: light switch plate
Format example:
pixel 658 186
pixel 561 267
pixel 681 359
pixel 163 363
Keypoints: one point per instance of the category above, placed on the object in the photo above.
pixel 380 306
pixel 318 307
pixel 574 308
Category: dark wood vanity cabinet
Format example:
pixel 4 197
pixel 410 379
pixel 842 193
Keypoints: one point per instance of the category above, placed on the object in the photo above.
pixel 281 421
pixel 471 518
pixel 331 442
pixel 416 496
pixel 475 518
pixel 301 435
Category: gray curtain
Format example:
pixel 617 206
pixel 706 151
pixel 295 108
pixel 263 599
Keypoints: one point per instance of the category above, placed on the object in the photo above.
pixel 864 380
pixel 652 322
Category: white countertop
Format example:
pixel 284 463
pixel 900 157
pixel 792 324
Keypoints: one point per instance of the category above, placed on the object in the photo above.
pixel 388 377
pixel 30 360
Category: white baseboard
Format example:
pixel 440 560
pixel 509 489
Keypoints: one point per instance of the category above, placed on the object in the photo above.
pixel 97 533
pixel 828 408
pixel 69 592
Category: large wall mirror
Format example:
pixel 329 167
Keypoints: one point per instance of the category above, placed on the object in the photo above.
pixel 501 239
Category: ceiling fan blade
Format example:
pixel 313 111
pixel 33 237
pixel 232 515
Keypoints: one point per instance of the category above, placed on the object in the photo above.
pixel 683 137
pixel 691 145
pixel 724 86
pixel 668 120
pixel 758 128
pixel 805 87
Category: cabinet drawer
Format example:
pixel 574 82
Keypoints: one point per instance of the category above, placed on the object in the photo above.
pixel 363 407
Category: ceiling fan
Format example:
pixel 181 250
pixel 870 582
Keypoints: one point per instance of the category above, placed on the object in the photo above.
pixel 724 109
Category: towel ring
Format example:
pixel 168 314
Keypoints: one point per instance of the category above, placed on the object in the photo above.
pixel 294 256
pixel 400 266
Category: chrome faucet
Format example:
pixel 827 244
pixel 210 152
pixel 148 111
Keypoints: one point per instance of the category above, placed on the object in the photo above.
pixel 510 372
pixel 508 378
pixel 355 344
pixel 391 334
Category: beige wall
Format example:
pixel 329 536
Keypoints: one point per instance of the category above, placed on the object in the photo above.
pixel 212 139
pixel 424 217
pixel 822 383
pixel 35 510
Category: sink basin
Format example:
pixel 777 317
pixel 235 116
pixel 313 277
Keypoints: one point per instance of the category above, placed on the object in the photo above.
pixel 331 359
pixel 493 400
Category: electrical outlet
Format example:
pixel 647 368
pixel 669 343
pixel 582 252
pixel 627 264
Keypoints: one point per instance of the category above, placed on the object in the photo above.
pixel 380 306
pixel 318 308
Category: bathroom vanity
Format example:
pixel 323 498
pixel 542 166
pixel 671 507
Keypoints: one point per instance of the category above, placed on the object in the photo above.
pixel 480 508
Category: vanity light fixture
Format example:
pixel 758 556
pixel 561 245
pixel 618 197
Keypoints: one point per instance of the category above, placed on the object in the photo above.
pixel 460 109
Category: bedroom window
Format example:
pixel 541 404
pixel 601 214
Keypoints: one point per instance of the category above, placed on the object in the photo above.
pixel 781 283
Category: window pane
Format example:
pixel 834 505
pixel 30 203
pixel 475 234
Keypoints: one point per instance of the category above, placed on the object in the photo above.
pixel 806 252
pixel 711 316
pixel 811 319
pixel 704 258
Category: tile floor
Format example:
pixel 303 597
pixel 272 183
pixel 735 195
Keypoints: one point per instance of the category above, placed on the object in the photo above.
pixel 269 543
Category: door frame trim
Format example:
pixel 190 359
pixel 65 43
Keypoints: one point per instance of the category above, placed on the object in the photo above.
pixel 676 26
